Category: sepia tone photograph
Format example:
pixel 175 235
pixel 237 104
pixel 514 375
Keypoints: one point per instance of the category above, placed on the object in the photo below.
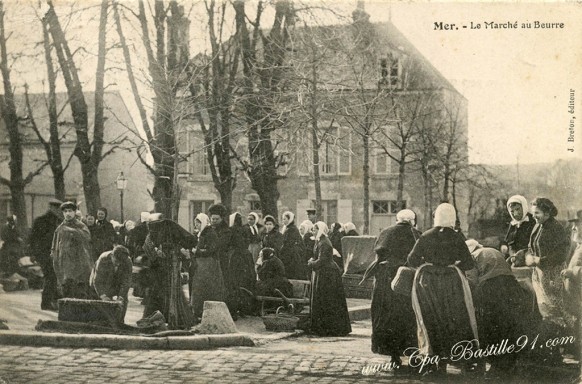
pixel 309 191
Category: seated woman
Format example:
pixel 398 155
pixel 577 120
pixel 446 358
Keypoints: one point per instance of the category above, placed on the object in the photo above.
pixel 329 310
pixel 505 310
pixel 271 274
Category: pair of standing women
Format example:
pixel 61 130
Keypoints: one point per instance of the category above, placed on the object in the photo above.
pixel 222 264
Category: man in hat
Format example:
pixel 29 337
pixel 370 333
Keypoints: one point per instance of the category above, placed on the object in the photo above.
pixel 573 278
pixel 72 255
pixel 312 215
pixel 41 238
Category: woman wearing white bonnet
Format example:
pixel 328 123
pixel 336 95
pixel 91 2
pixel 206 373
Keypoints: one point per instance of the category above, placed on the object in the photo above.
pixel 441 296
pixel 329 310
pixel 520 228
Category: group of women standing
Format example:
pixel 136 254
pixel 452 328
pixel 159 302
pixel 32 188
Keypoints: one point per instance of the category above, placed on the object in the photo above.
pixel 223 263
pixel 286 254
pixel 448 311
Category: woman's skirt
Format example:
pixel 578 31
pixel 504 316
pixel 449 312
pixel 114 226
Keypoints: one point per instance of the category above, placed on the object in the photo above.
pixel 393 321
pixel 329 309
pixel 207 284
pixel 445 316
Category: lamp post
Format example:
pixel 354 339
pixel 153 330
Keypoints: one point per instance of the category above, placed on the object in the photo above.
pixel 121 185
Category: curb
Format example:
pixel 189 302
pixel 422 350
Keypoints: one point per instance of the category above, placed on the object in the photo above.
pixel 59 340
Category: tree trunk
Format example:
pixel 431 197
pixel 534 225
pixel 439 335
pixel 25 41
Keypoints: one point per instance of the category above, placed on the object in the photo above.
pixel 79 110
pixel 54 154
pixel 8 110
pixel 401 176
pixel 261 80
pixel 366 180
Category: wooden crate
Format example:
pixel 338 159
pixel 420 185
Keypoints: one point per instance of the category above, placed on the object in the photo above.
pixel 90 311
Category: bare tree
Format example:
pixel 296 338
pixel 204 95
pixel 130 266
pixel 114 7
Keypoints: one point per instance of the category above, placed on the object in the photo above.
pixel 263 58
pixel 90 154
pixel 17 181
pixel 213 89
pixel 167 60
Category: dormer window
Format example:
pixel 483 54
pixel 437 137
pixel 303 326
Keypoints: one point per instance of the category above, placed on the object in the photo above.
pixel 390 71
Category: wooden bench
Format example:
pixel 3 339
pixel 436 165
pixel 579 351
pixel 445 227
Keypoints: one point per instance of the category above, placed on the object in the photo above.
pixel 301 296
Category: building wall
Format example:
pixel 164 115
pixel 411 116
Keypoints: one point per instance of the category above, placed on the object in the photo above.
pixel 119 125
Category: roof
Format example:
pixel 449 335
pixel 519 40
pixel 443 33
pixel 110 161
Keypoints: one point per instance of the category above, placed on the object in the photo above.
pixel 116 114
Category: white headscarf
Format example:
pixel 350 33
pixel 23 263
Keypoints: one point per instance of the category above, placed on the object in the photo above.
pixel 519 199
pixel 473 245
pixel 231 219
pixel 405 216
pixel 204 222
pixel 254 228
pixel 291 220
pixel 322 230
pixel 445 216
pixel 306 226
pixel 144 216
pixel 349 226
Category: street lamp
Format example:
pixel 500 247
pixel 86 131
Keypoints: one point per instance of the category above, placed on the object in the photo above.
pixel 121 185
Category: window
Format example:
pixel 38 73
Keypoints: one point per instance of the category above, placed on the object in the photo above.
pixel 182 146
pixel 329 211
pixel 386 207
pixel 335 152
pixel 390 71
pixel 255 205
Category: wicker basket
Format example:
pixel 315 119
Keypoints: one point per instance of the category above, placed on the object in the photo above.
pixel 90 311
pixel 280 322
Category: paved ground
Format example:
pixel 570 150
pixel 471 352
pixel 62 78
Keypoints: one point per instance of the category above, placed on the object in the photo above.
pixel 301 359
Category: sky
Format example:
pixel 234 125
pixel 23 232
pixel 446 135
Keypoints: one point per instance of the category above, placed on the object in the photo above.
pixel 517 81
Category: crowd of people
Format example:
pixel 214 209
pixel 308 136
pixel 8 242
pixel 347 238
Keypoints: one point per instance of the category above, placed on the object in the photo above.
pixel 438 293
pixel 431 291
pixel 224 259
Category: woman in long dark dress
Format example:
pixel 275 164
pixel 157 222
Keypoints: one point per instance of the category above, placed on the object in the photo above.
pixel 242 265
pixel 292 250
pixel 308 242
pixel 271 237
pixel 393 320
pixel 441 297
pixel 548 249
pixel 329 310
pixel 207 282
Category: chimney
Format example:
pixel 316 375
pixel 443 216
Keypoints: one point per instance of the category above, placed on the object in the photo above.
pixel 360 14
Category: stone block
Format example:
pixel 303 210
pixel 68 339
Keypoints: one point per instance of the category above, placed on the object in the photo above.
pixel 216 319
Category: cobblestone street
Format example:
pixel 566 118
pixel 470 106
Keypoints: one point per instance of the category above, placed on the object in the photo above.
pixel 300 360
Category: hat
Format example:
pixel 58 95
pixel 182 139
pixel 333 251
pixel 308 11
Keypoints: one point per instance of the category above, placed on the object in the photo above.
pixel 68 205
pixel 311 211
pixel 217 209
pixel 54 201
pixel 578 218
